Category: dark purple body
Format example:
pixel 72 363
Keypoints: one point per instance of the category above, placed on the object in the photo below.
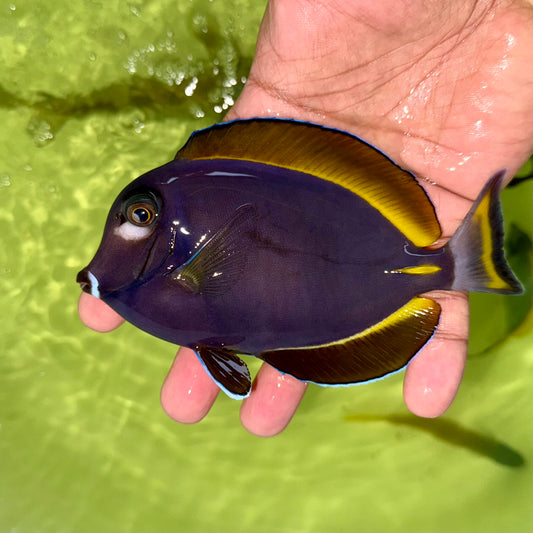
pixel 317 269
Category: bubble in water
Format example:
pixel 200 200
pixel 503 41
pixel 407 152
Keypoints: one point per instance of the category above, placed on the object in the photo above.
pixel 197 111
pixel 122 36
pixel 134 120
pixel 189 90
pixel 200 23
pixel 40 131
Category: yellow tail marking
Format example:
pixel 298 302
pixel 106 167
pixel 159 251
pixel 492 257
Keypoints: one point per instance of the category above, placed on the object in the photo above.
pixel 481 217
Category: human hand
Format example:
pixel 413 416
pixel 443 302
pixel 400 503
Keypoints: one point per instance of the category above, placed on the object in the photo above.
pixel 443 88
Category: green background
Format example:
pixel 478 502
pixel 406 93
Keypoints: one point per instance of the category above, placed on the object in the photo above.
pixel 91 95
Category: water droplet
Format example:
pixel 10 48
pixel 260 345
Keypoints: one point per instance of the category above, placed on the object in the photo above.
pixel 5 180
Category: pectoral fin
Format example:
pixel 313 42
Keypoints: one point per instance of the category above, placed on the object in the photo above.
pixel 372 354
pixel 227 370
pixel 221 260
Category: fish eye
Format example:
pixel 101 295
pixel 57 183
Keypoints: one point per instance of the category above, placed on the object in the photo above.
pixel 142 210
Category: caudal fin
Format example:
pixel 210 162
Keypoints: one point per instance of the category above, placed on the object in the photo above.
pixel 477 246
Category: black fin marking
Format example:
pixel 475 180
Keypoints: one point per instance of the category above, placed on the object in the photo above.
pixel 227 370
pixel 372 354
pixel 477 246
pixel 221 260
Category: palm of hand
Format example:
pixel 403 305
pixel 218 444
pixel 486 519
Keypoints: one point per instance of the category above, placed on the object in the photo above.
pixel 443 89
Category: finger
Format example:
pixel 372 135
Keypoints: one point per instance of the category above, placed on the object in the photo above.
pixel 273 402
pixel 433 377
pixel 188 392
pixel 97 315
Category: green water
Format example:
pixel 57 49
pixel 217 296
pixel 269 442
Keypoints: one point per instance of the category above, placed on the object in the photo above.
pixel 92 94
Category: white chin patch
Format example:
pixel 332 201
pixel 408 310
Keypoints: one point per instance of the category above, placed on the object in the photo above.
pixel 95 291
pixel 129 232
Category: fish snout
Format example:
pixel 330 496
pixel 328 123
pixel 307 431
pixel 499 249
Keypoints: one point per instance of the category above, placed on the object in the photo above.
pixel 88 282
pixel 83 279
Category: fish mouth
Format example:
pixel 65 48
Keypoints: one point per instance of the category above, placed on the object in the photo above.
pixel 88 282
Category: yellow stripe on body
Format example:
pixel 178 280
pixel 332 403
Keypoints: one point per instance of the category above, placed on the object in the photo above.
pixel 416 307
pixel 330 155
pixel 420 270
pixel 379 350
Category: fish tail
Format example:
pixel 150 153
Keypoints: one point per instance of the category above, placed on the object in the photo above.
pixel 477 246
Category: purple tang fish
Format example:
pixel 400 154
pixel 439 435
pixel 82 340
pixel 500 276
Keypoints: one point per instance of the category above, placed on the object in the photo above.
pixel 298 244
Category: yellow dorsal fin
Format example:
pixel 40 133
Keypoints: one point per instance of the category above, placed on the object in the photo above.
pixel 372 354
pixel 328 154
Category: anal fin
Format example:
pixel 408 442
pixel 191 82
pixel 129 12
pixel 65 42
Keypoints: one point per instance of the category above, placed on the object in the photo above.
pixel 372 354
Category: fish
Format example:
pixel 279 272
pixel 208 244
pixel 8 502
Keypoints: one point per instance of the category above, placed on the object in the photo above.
pixel 301 245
